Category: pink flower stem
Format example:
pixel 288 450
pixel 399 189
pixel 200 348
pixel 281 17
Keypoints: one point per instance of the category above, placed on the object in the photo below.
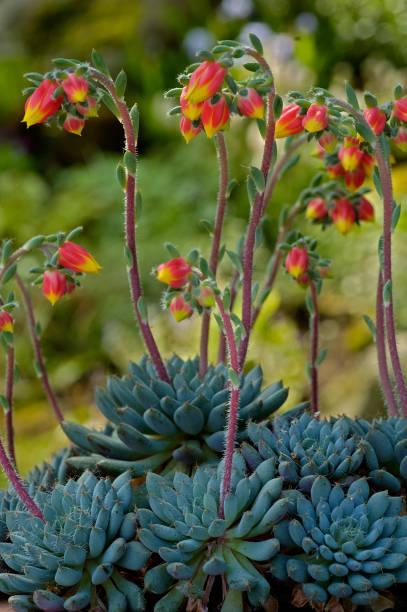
pixel 213 261
pixel 387 189
pixel 134 274
pixel 233 405
pixel 222 338
pixel 37 350
pixel 9 410
pixel 16 482
pixel 314 325
pixel 381 351
pixel 255 217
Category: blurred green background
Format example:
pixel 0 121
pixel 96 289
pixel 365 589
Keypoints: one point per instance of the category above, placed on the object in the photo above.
pixel 51 180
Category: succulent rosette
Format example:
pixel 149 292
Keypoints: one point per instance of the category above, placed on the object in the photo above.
pixel 346 546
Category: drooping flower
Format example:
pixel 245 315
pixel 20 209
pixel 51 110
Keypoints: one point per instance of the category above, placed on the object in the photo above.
pixel 335 170
pixel 376 118
pixel 343 215
pixel 303 281
pixel 215 116
pixel 76 88
pixel 41 105
pixel 296 261
pixel 365 210
pixel 74 125
pixel 88 108
pixel 174 272
pixel 53 285
pixel 401 140
pixel 189 110
pixel 368 163
pixel 77 259
pixel 316 118
pixel 350 155
pixel 188 130
pixel 250 103
pixel 316 209
pixel 355 179
pixel 205 81
pixel 328 142
pixel 206 297
pixel 180 308
pixel 6 322
pixel 400 109
pixel 290 122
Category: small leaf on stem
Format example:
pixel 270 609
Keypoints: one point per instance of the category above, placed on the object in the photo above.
pixel 321 357
pixel 255 40
pixel 236 261
pixel 120 84
pixel 142 308
pixel 258 178
pixel 99 63
pixel 110 104
pixel 351 96
pixel 395 216
pixel 9 273
pixel 277 106
pixel 387 293
pixel 135 119
pixel 130 162
pixel 128 256
pixel 6 251
pixel 234 378
pixel 173 251
pixel 371 326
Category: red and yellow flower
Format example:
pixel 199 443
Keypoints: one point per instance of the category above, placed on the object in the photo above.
pixel 250 103
pixel 89 109
pixel 355 179
pixel 180 308
pixel 206 297
pixel 41 105
pixel 6 322
pixel 317 209
pixel 290 122
pixel 400 109
pixel 53 285
pixel 215 116
pixel 401 140
pixel 188 130
pixel 376 118
pixel 205 81
pixel 73 124
pixel 76 88
pixel 174 272
pixel 328 142
pixel 296 261
pixel 365 210
pixel 350 155
pixel 77 259
pixel 189 110
pixel 316 118
pixel 343 215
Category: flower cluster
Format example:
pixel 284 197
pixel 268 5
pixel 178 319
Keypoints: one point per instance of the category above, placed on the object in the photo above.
pixel 343 211
pixel 66 93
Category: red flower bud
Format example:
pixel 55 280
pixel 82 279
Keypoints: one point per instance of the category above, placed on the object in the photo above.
pixel 317 209
pixel 6 322
pixel 53 285
pixel 174 272
pixel 328 142
pixel 365 210
pixel 41 105
pixel 401 140
pixel 77 259
pixel 355 179
pixel 303 280
pixel 188 130
pixel 206 297
pixel 335 170
pixel 290 122
pixel 205 81
pixel 400 109
pixel 316 118
pixel 368 163
pixel 250 103
pixel 376 118
pixel 180 308
pixel 350 155
pixel 74 124
pixel 296 261
pixel 89 108
pixel 214 116
pixel 189 110
pixel 76 88
pixel 343 215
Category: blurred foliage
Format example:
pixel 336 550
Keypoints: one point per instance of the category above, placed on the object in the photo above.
pixel 51 180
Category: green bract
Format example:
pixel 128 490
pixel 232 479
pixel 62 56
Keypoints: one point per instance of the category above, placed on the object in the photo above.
pixel 156 424
pixel 345 546
pixel 75 557
pixel 183 527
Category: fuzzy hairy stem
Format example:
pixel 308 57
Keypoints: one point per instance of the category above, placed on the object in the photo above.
pixel 255 217
pixel 16 482
pixel 381 351
pixel 8 413
pixel 222 338
pixel 213 261
pixel 388 319
pixel 314 328
pixel 275 260
pixel 37 350
pixel 133 271
pixel 233 405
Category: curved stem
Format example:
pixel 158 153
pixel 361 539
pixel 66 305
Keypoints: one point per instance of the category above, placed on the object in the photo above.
pixel 381 351
pixel 15 480
pixel 37 350
pixel 9 410
pixel 133 272
pixel 233 405
pixel 314 351
pixel 213 261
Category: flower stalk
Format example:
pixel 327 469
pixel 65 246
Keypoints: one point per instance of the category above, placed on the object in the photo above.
pixel 381 351
pixel 8 412
pixel 314 329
